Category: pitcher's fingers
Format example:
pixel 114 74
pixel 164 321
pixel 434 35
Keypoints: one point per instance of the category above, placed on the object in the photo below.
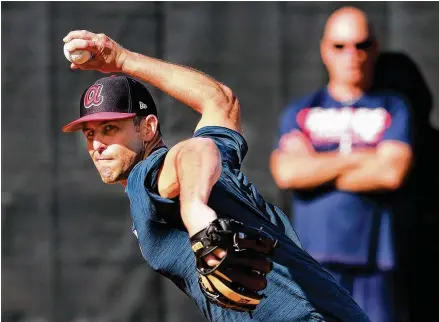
pixel 215 257
pixel 75 44
pixel 79 34
pixel 85 66
pixel 73 66
pixel 219 253
pixel 211 260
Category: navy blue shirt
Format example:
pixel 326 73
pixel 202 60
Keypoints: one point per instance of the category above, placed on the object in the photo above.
pixel 337 226
pixel 299 289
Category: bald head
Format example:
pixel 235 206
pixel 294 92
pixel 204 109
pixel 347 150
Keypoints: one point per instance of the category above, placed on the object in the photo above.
pixel 348 47
pixel 347 21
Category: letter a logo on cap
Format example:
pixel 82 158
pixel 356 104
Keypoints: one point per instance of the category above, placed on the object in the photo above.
pixel 93 96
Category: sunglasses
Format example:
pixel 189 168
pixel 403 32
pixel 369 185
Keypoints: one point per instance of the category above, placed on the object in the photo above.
pixel 364 45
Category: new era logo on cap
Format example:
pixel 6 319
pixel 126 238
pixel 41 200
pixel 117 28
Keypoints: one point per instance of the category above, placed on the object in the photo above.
pixel 113 98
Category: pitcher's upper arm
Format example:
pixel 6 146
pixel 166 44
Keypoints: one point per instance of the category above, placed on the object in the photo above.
pixel 169 178
pixel 168 185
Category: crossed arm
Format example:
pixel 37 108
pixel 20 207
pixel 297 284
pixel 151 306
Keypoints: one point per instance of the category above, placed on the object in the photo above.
pixel 381 168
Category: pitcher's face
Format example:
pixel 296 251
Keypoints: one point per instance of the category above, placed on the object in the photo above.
pixel 114 147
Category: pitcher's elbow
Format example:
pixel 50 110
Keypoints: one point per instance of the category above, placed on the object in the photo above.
pixel 227 100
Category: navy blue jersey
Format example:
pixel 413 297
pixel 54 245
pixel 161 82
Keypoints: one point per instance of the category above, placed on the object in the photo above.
pixel 339 226
pixel 299 289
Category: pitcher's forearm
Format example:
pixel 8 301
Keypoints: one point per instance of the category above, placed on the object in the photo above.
pixel 185 84
pixel 198 169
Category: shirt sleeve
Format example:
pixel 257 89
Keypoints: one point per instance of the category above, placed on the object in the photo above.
pixel 401 125
pixel 231 144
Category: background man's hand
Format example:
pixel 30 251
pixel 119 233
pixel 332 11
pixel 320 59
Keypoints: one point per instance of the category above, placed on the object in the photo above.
pixel 108 55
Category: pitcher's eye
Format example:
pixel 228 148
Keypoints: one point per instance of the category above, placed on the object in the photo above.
pixel 89 134
pixel 109 128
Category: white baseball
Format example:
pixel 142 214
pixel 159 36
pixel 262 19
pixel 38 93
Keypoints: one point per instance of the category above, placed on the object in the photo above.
pixel 77 56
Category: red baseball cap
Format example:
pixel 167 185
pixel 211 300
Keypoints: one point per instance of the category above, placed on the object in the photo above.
pixel 113 98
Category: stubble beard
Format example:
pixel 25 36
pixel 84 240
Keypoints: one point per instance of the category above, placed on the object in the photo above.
pixel 110 176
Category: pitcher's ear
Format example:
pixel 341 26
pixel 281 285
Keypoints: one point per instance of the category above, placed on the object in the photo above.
pixel 149 127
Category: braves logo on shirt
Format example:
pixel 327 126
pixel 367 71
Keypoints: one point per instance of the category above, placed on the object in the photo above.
pixel 345 126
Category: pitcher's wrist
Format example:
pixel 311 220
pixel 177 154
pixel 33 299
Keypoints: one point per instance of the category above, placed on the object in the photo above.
pixel 125 61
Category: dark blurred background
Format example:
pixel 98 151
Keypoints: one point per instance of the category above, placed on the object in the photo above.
pixel 68 253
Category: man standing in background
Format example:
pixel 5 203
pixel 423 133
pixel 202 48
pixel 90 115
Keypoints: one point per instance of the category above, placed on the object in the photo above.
pixel 345 151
